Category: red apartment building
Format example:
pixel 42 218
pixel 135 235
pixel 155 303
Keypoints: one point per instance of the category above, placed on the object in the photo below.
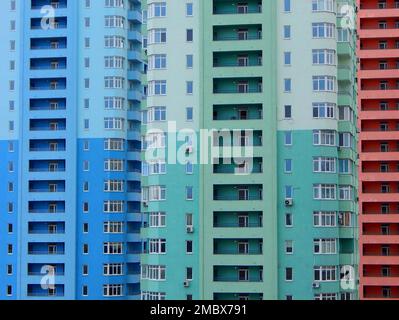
pixel 378 79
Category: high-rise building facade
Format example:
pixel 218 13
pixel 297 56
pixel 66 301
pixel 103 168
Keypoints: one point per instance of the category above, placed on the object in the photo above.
pixel 281 222
pixel 69 142
pixel 379 142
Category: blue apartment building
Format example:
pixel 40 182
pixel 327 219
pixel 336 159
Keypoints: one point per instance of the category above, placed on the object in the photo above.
pixel 70 88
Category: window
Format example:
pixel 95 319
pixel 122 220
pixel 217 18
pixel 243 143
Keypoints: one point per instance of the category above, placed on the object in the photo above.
pixel 189 193
pixel 324 219
pixel 153 272
pixel 325 273
pixel 323 164
pixel 189 246
pixel 157 9
pixel 189 61
pixel 323 30
pixel 288 165
pixel 189 9
pixel 287 32
pixel 323 5
pixel 287 85
pixel 324 110
pixel 114 22
pixel 345 140
pixel 325 246
pixel 345 193
pixel 287 5
pixel 289 247
pixel 324 137
pixel 157 219
pixel 324 83
pixel 157 87
pixel 289 221
pixel 113 248
pixel 157 246
pixel 189 87
pixel 189 114
pixel 157 61
pixel 289 274
pixel 112 290
pixel 324 191
pixel 288 138
pixel 287 112
pixel 287 58
pixel 189 35
pixel 157 35
pixel 113 269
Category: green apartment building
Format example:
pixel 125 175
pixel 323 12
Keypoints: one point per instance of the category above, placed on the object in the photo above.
pixel 281 222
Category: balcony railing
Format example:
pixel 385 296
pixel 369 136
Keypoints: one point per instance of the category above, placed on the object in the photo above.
pixel 237 37
pixel 217 64
pixel 237 252
pixel 240 10
pixel 242 91
pixel 237 225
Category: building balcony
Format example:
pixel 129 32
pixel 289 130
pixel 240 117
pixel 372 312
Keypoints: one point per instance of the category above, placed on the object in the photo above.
pixel 380 176
pixel 388 12
pixel 134 16
pixel 236 7
pixel 379 135
pixel 345 49
pixel 378 73
pixel 380 239
pixel 378 53
pixel 378 33
pixel 56 4
pixel 379 218
pixel 345 74
pixel 381 94
pixel 379 156
pixel 380 281
pixel 379 115
pixel 379 197
pixel 379 260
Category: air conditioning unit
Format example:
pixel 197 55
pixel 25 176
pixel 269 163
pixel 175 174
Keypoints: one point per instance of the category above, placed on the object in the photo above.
pixel 288 202
pixel 186 283
pixel 315 285
pixel 145 203
pixel 190 229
